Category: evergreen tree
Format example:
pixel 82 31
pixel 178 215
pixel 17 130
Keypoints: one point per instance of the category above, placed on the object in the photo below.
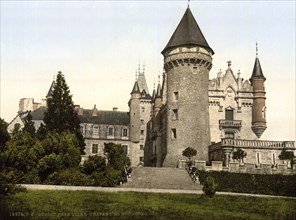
pixel 29 124
pixel 60 115
pixel 4 136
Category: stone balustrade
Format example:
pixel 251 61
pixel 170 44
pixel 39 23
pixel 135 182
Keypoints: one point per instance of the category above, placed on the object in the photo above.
pixel 237 143
pixel 234 167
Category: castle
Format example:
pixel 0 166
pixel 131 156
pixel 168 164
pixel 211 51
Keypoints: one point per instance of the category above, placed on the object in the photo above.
pixel 216 117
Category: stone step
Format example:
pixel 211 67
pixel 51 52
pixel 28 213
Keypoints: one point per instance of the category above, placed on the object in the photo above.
pixel 161 178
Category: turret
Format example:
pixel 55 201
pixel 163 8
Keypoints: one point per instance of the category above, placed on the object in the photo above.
pixel 157 99
pixel 187 62
pixel 258 108
pixel 134 105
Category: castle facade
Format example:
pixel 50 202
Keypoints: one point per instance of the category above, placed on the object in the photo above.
pixel 216 117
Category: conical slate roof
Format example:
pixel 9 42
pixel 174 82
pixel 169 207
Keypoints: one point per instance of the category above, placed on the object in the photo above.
pixel 49 93
pixel 257 71
pixel 187 33
pixel 158 92
pixel 136 88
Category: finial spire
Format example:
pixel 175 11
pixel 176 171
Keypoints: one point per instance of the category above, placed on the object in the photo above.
pixel 188 3
pixel 53 77
pixel 144 68
pixel 229 63
pixel 136 76
pixel 158 78
pixel 256 49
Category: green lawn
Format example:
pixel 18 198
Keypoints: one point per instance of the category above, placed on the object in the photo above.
pixel 50 204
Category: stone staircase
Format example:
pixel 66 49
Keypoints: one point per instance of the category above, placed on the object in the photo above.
pixel 161 178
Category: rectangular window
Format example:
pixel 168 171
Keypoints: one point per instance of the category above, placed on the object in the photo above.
pixel 176 96
pixel 258 158
pixel 124 132
pixel 228 114
pixel 125 148
pixel 94 148
pixel 142 122
pixel 273 159
pixel 174 133
pixel 110 131
pixel 142 132
pixel 175 114
pixel 143 109
pixel 141 159
pixel 82 129
pixel 141 147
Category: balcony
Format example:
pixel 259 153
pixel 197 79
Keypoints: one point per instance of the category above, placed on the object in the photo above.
pixel 234 124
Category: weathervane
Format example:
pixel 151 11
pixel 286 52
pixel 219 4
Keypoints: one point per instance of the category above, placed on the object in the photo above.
pixel 256 49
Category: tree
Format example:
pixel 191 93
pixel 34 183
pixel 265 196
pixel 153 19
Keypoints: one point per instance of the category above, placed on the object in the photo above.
pixel 60 115
pixel 94 164
pixel 287 155
pixel 189 152
pixel 29 124
pixel 4 135
pixel 239 155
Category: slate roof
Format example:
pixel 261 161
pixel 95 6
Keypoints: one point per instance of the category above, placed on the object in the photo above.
pixel 135 88
pixel 38 114
pixel 257 71
pixel 187 33
pixel 105 117
pixel 49 93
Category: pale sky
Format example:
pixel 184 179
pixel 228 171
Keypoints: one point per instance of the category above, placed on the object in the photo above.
pixel 98 45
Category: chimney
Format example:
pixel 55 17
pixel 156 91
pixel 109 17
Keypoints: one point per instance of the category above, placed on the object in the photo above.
pixel 80 111
pixel 115 109
pixel 76 108
pixel 94 111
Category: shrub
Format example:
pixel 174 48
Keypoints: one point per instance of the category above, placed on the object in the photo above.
pixel 69 177
pixel 271 184
pixel 210 186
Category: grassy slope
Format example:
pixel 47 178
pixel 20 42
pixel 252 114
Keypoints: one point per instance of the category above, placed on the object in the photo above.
pixel 132 205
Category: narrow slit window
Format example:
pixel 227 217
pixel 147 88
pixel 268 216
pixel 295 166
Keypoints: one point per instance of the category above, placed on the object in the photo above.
pixel 176 96
pixel 174 133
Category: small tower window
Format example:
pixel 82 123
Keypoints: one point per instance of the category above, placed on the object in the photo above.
pixel 142 132
pixel 141 147
pixel 175 114
pixel 174 133
pixel 143 109
pixel 176 96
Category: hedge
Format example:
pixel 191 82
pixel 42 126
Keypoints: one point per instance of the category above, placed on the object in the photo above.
pixel 269 184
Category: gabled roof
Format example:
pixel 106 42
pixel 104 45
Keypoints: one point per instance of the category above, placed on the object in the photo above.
pixel 187 33
pixel 105 117
pixel 257 71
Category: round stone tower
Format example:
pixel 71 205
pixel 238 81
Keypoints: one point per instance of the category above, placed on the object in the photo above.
pixel 135 122
pixel 187 62
pixel 258 108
